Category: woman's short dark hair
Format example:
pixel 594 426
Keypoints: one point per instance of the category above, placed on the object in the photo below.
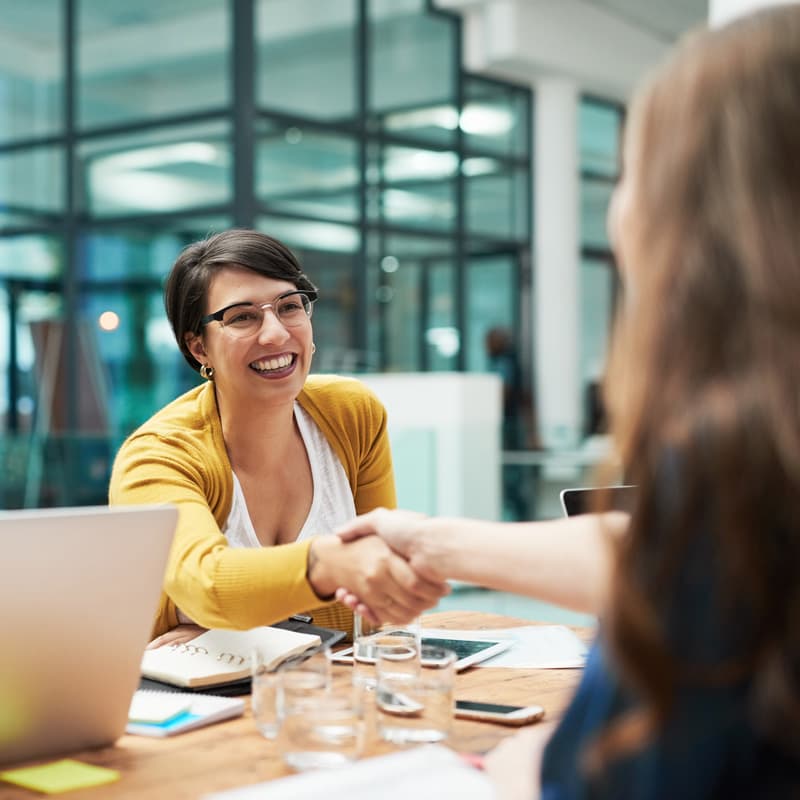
pixel 188 281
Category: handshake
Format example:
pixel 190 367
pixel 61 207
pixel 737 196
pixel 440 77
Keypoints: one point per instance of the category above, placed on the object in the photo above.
pixel 379 566
pixel 389 566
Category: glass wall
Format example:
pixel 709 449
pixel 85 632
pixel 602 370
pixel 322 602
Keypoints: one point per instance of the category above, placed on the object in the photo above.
pixel 600 131
pixel 347 129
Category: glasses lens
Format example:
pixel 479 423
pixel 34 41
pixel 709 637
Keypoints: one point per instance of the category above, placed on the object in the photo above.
pixel 243 320
pixel 293 309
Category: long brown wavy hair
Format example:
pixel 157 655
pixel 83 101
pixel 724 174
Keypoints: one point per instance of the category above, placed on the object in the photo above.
pixel 705 366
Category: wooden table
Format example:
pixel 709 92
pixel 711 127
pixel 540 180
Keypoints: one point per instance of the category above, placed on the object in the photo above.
pixel 233 753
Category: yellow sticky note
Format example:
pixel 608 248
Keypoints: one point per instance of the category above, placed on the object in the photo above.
pixel 60 776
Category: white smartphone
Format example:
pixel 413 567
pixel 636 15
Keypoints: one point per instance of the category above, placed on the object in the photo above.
pixel 497 712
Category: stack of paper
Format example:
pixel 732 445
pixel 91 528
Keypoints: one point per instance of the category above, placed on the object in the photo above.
pixel 533 646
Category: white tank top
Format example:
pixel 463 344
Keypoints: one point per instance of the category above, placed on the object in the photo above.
pixel 331 504
pixel 332 501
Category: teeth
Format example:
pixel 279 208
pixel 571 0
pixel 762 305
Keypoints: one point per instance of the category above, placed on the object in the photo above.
pixel 269 364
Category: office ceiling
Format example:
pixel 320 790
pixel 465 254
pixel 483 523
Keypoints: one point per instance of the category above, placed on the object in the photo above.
pixel 666 19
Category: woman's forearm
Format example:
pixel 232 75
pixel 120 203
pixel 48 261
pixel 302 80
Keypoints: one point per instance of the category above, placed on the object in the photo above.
pixel 566 562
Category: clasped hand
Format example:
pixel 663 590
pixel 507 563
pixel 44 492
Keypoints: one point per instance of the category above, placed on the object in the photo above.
pixel 399 530
pixel 383 585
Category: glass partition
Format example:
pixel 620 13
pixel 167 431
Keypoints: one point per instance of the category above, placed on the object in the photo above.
pixel 442 336
pixel 595 200
pixel 600 131
pixel 31 186
pixel 497 200
pixel 413 187
pixel 164 170
pixel 31 70
pixel 411 56
pixel 496 118
pixel 306 57
pixel 348 129
pixel 306 171
pixel 599 135
pixel 138 61
pixel 492 303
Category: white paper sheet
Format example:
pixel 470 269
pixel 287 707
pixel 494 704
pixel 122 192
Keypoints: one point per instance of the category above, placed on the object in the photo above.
pixel 429 771
pixel 534 647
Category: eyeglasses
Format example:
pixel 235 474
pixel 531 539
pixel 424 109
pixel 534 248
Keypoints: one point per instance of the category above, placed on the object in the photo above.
pixel 246 319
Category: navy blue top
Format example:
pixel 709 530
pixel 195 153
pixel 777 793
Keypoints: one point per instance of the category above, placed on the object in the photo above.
pixel 708 748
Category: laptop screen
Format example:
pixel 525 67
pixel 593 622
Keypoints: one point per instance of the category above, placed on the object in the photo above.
pixel 83 584
pixel 584 500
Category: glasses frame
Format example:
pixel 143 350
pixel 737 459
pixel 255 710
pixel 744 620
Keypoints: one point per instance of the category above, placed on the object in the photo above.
pixel 218 315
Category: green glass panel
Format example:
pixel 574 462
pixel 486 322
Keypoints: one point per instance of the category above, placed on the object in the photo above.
pixel 131 254
pixel 31 257
pixel 495 119
pixel 412 58
pixel 491 302
pixel 31 186
pixel 149 60
pixel 442 338
pixel 31 76
pixel 169 169
pixel 497 199
pixel 306 55
pixel 599 131
pixel 595 200
pixel 598 284
pixel 412 187
pixel 306 172
pixel 138 364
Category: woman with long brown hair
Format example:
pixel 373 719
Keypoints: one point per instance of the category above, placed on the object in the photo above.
pixel 693 688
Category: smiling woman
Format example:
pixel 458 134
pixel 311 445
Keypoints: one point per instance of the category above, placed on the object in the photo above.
pixel 260 459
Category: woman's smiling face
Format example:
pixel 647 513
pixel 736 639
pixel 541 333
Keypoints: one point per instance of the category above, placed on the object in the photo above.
pixel 272 364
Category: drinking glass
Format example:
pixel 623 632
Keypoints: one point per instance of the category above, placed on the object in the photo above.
pixel 414 694
pixel 264 682
pixel 310 668
pixel 368 639
pixel 321 723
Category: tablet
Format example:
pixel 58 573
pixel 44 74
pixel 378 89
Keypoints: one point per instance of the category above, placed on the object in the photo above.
pixel 583 500
pixel 468 651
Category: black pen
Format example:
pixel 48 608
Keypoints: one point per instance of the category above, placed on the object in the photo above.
pixel 302 618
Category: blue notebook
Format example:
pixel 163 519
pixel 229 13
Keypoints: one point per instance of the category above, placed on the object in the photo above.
pixel 168 713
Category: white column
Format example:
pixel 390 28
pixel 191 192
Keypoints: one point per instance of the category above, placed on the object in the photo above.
pixel 720 11
pixel 556 296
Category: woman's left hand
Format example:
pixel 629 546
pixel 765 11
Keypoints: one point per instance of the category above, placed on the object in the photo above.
pixel 180 634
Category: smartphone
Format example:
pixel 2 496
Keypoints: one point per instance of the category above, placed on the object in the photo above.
pixel 496 712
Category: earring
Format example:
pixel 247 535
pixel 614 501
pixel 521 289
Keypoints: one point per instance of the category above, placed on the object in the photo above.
pixel 207 372
pixel 313 348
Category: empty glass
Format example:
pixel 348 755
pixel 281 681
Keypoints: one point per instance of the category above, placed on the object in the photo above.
pixel 369 638
pixel 263 698
pixel 312 669
pixel 321 724
pixel 414 694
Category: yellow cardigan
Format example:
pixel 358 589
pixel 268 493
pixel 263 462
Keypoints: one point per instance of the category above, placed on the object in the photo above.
pixel 178 456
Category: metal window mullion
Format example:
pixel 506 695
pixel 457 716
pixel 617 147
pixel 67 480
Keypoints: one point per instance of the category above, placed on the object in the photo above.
pixel 242 72
pixel 361 263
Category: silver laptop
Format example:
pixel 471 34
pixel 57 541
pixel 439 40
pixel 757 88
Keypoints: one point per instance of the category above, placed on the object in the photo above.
pixel 584 499
pixel 78 595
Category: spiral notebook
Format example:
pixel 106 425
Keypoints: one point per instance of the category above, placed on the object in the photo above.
pixel 219 657
pixel 168 713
